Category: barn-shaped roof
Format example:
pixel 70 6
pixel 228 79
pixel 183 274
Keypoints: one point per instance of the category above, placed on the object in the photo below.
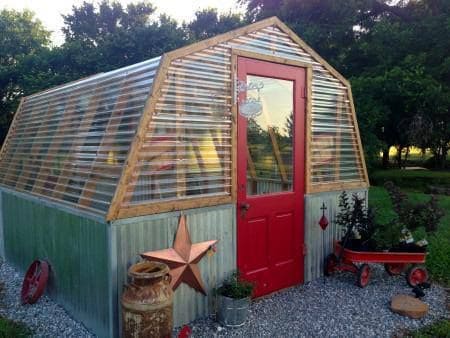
pixel 158 135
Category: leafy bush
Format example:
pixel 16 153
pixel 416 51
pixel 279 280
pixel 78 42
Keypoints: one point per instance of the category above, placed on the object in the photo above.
pixel 438 259
pixel 355 217
pixel 413 216
pixel 235 287
pixel 9 328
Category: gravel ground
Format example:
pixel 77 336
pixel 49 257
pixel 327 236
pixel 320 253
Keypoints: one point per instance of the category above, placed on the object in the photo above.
pixel 336 308
pixel 45 318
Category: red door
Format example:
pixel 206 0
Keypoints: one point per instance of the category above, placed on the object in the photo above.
pixel 270 174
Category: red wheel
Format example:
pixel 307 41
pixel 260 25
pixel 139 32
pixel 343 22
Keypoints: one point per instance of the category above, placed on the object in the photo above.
pixel 416 275
pixel 394 269
pixel 363 276
pixel 34 282
pixel 330 264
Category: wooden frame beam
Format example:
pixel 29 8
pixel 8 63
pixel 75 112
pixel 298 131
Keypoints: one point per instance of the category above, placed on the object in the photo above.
pixel 358 136
pixel 138 140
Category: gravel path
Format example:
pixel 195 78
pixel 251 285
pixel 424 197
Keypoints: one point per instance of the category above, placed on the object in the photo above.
pixel 337 308
pixel 45 318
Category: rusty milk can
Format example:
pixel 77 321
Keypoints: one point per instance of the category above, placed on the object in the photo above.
pixel 147 302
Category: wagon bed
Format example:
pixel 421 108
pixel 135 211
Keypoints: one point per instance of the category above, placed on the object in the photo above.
pixel 395 263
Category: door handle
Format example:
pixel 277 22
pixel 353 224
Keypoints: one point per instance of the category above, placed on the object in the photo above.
pixel 244 208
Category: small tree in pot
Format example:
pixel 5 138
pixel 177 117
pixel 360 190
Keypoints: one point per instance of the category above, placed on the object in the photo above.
pixel 234 300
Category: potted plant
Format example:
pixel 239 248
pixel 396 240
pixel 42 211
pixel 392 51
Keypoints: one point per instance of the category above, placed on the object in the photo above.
pixel 234 300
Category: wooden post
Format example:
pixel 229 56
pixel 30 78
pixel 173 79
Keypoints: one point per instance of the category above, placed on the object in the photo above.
pixel 338 138
pixel 278 158
pixel 252 171
pixel 67 165
pixel 139 138
pixel 33 161
pixel 110 134
pixel 69 111
pixel 180 148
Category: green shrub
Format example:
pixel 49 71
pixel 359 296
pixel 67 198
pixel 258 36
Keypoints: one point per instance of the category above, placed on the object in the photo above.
pixel 9 328
pixel 438 259
pixel 354 217
pixel 414 215
pixel 235 287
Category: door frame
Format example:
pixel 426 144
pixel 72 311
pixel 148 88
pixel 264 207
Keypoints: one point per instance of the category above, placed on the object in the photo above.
pixel 236 53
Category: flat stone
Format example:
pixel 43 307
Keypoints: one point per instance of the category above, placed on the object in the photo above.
pixel 406 305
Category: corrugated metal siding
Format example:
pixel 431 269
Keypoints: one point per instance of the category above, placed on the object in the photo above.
pixel 70 143
pixel 316 252
pixel 156 232
pixel 76 248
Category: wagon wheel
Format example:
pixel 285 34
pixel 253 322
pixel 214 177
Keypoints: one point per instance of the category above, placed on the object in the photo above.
pixel 416 275
pixel 394 269
pixel 363 276
pixel 34 282
pixel 330 264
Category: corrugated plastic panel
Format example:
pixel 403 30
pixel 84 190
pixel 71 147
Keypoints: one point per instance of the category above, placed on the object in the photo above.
pixel 317 246
pixel 132 237
pixel 334 149
pixel 70 143
pixel 76 248
pixel 187 150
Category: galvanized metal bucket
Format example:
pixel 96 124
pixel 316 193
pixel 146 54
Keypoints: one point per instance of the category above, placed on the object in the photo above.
pixel 232 312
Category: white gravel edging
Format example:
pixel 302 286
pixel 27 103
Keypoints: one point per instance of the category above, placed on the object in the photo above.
pixel 336 308
pixel 45 318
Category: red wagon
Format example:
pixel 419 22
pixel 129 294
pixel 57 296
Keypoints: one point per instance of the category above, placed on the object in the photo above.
pixel 395 263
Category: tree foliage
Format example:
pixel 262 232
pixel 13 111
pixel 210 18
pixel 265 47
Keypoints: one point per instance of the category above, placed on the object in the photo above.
pixel 21 36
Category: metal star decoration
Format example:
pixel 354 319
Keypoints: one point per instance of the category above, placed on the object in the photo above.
pixel 182 258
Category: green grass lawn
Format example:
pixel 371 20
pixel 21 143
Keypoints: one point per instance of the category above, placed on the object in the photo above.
pixel 411 180
pixel 438 260
pixel 10 329
pixel 440 329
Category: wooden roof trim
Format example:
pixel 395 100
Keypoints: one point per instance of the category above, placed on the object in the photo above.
pixel 310 51
pixel 272 21
pixel 358 135
pixel 138 140
pixel 218 39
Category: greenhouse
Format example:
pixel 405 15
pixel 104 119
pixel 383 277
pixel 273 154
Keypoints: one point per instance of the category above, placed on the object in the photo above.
pixel 247 134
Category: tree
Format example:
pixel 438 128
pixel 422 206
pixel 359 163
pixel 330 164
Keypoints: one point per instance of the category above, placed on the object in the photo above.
pixel 208 23
pixel 395 54
pixel 21 35
pixel 108 36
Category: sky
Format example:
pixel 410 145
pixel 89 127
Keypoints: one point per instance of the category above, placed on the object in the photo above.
pixel 49 11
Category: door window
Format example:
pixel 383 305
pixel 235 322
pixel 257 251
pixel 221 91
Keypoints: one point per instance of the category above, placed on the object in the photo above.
pixel 270 137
